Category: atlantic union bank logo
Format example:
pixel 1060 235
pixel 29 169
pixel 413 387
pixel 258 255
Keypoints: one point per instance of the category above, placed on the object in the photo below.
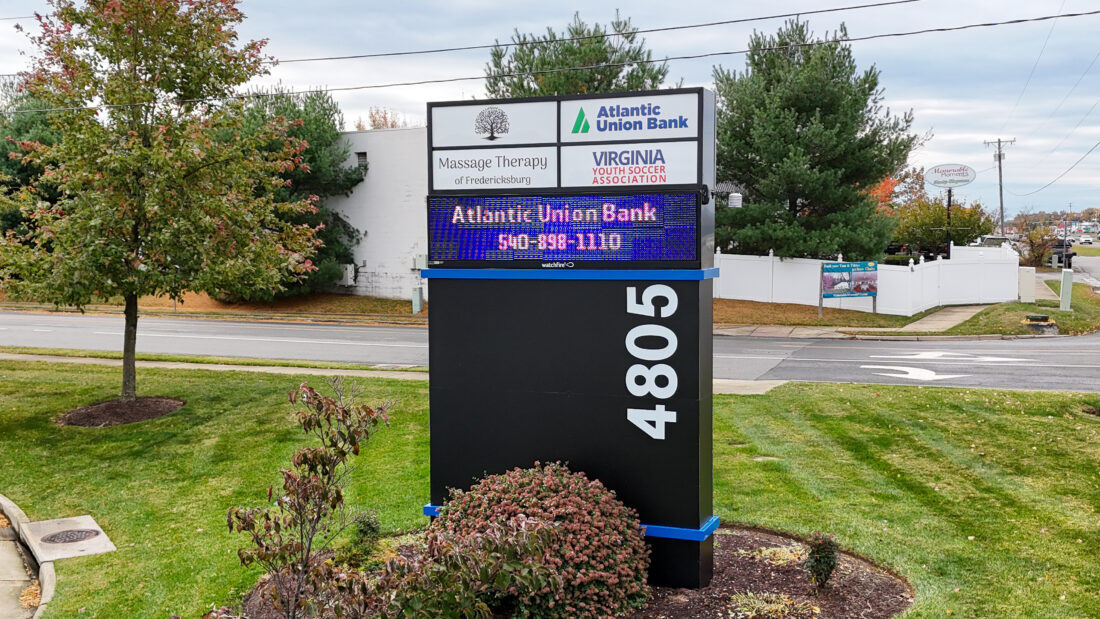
pixel 581 124
pixel 644 117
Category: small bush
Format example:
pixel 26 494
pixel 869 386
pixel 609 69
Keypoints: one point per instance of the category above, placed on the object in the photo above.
pixel 822 558
pixel 464 576
pixel 750 605
pixel 366 530
pixel 598 552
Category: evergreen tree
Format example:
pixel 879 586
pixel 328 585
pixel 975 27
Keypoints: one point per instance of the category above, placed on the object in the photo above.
pixel 807 138
pixel 620 62
pixel 324 174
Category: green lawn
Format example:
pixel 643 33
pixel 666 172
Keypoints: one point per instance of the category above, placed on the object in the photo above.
pixel 904 476
pixel 1008 318
pixel 1087 250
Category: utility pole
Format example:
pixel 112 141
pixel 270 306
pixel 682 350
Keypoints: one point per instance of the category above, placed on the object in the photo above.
pixel 999 157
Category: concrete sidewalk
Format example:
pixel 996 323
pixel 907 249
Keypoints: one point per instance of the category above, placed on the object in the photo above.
pixel 938 321
pixel 15 576
pixel 1042 291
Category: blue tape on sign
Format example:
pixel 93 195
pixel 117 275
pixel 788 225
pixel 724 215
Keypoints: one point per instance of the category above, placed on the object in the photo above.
pixel 691 535
pixel 651 530
pixel 609 274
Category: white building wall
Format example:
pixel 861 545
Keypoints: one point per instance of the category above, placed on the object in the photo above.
pixel 973 275
pixel 389 209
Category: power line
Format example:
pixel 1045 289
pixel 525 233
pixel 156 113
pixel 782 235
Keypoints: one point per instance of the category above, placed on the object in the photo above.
pixel 595 66
pixel 592 36
pixel 1060 175
pixel 1066 98
pixel 1027 82
pixel 16 18
pixel 1071 131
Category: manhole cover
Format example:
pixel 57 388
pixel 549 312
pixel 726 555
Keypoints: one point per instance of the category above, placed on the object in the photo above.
pixel 70 536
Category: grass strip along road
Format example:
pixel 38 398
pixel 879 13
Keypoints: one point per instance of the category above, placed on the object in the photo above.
pixel 985 501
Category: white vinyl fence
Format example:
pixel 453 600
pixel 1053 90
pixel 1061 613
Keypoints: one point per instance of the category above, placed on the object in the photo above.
pixel 973 275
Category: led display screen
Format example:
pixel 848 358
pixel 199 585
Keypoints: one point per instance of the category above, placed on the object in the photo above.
pixel 552 231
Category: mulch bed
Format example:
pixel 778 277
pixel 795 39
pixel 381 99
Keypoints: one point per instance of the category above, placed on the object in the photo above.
pixel 118 412
pixel 857 588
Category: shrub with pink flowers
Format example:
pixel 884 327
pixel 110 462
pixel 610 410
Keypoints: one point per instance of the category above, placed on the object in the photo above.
pixel 598 550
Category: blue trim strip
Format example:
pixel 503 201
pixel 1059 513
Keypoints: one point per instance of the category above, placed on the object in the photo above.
pixel 691 535
pixel 651 530
pixel 609 274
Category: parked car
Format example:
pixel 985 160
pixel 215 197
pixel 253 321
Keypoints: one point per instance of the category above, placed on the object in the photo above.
pixel 1063 249
pixel 1085 240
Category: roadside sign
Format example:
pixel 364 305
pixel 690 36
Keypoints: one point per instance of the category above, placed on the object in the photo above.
pixel 950 175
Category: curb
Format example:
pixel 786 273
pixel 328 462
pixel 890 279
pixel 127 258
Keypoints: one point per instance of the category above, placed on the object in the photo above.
pixel 955 338
pixel 389 320
pixel 47 577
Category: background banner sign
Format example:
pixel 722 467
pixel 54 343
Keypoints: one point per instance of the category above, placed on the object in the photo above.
pixel 618 165
pixel 495 168
pixel 494 124
pixel 849 279
pixel 569 231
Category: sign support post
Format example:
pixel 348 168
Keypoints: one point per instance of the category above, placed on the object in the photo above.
pixel 821 291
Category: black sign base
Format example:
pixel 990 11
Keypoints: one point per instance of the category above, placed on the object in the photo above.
pixel 526 370
pixel 681 564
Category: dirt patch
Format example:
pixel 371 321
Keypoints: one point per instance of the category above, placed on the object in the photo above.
pixel 118 412
pixel 1091 410
pixel 744 563
pixel 319 303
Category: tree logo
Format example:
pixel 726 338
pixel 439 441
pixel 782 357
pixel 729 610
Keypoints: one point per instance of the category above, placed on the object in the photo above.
pixel 491 120
pixel 581 124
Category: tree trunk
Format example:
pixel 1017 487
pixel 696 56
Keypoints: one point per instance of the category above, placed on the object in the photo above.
pixel 129 342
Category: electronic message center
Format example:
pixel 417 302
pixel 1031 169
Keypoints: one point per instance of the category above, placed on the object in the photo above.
pixel 509 230
pixel 570 253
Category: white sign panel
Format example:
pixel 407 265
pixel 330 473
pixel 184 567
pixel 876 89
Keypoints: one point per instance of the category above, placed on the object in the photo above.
pixel 650 117
pixel 497 124
pixel 494 168
pixel 611 165
pixel 950 175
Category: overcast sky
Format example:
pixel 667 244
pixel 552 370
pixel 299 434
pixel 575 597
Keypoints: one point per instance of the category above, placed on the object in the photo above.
pixel 1037 83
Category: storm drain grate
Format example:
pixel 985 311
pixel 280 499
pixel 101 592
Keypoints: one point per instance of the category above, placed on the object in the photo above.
pixel 70 536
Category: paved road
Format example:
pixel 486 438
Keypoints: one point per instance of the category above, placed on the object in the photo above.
pixel 1069 363
pixel 1087 270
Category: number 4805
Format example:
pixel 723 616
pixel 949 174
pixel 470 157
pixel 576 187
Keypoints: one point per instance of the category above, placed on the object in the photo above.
pixel 659 379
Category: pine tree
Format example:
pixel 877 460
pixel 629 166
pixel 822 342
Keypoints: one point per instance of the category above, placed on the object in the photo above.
pixel 619 61
pixel 806 137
